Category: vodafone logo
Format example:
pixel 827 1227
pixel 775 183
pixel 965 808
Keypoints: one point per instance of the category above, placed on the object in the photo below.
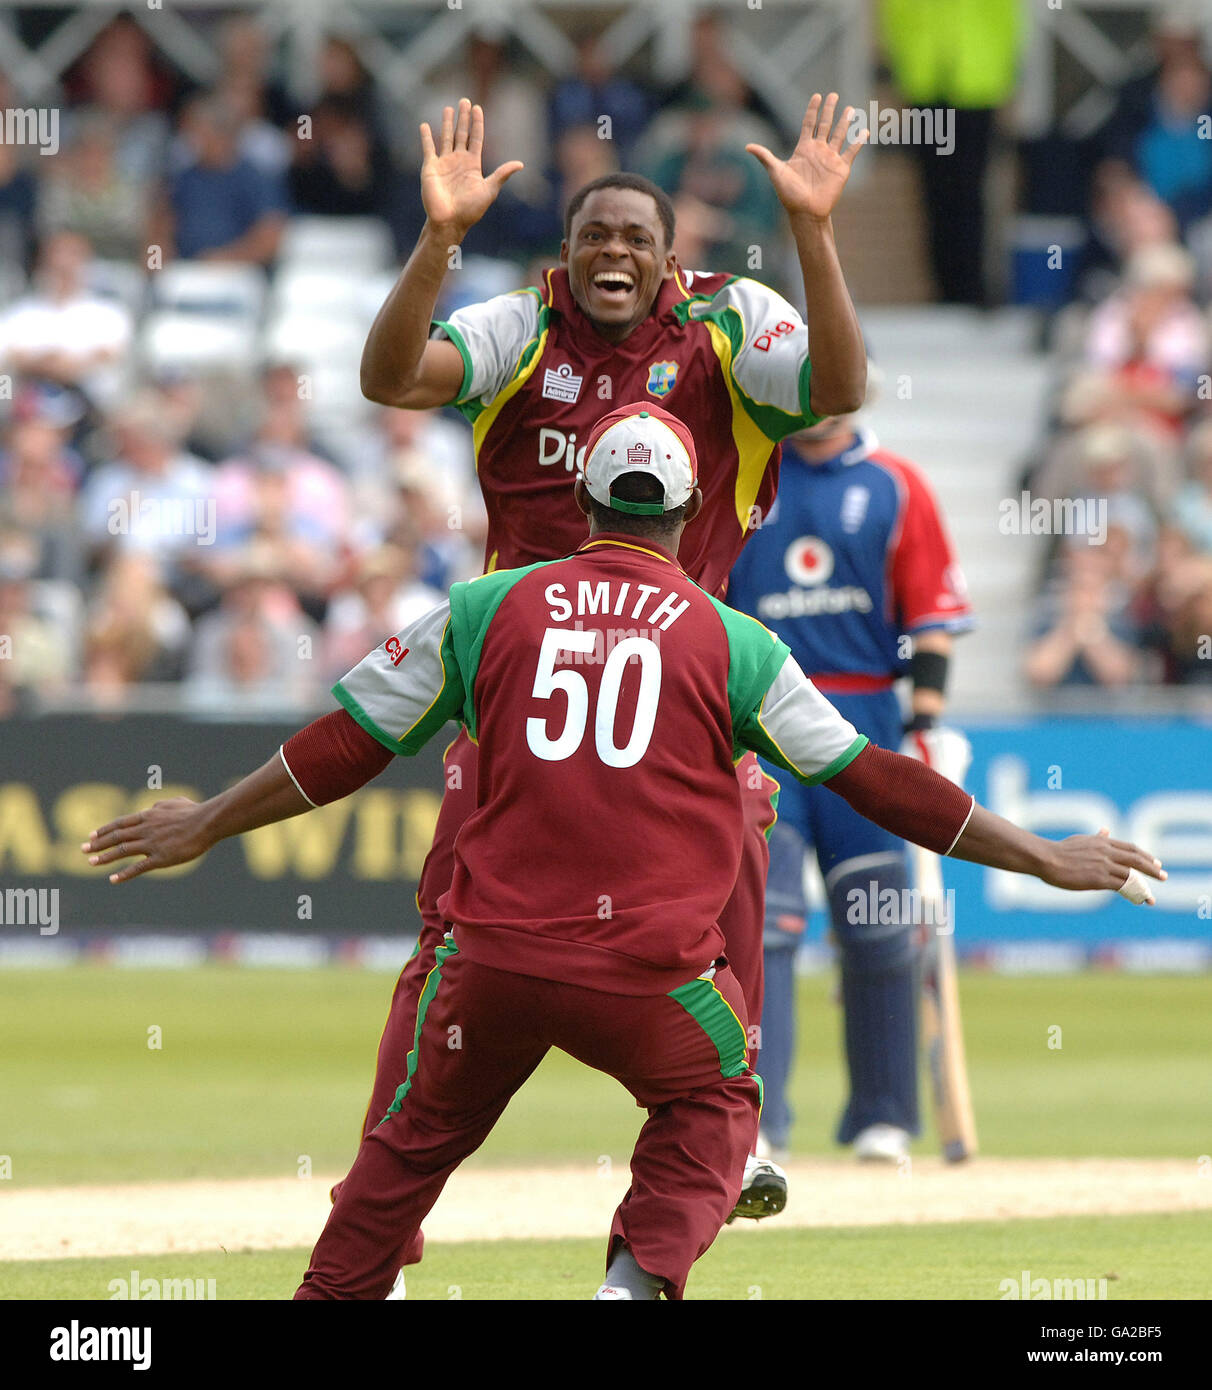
pixel 808 561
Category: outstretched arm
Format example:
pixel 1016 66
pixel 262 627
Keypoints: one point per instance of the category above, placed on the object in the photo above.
pixel 401 364
pixel 797 728
pixel 809 185
pixel 327 760
pixel 912 801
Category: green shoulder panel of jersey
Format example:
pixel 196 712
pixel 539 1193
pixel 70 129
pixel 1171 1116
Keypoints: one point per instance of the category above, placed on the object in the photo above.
pixel 755 657
pixel 723 314
pixel 472 407
pixel 473 606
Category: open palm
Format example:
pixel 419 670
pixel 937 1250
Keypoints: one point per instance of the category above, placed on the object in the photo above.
pixel 810 182
pixel 454 190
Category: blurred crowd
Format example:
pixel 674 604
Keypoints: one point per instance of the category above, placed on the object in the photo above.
pixel 160 525
pixel 245 535
pixel 1128 600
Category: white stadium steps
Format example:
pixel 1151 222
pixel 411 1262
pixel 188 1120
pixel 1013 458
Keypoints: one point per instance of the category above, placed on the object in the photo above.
pixel 962 395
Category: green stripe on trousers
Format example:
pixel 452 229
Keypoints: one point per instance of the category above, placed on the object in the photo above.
pixel 432 980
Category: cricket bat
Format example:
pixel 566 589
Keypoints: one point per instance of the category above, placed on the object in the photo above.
pixel 942 1027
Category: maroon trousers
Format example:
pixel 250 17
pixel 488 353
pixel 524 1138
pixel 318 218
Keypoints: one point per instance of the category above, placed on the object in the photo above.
pixel 481 1033
pixel 742 922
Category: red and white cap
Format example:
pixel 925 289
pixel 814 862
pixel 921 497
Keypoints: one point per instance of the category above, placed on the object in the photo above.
pixel 641 438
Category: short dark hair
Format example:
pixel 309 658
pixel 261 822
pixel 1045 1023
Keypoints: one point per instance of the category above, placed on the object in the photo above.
pixel 637 183
pixel 637 487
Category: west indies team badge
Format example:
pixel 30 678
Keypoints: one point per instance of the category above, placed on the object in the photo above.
pixel 661 378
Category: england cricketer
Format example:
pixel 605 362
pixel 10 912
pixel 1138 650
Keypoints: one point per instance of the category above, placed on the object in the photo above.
pixel 855 571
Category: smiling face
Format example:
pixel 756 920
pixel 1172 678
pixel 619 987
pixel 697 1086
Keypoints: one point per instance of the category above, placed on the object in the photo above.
pixel 617 259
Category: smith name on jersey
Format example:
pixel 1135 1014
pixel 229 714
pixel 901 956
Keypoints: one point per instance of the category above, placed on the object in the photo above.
pixel 853 555
pixel 611 698
pixel 723 353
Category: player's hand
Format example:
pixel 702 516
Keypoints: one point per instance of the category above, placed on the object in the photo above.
pixel 1098 861
pixel 454 191
pixel 810 182
pixel 167 833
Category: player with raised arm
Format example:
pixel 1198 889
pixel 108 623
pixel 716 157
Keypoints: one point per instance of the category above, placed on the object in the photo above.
pixel 617 320
pixel 606 774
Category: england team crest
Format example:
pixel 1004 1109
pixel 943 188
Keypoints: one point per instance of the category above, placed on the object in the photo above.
pixel 661 378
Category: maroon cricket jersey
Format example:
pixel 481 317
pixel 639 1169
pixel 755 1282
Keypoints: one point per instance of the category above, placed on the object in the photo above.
pixel 610 698
pixel 723 353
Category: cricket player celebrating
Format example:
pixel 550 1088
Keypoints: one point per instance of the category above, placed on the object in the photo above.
pixel 610 758
pixel 532 371
pixel 853 561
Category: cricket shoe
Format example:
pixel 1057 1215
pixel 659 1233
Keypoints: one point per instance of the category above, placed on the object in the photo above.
pixel 397 1294
pixel 882 1144
pixel 763 1190
pixel 608 1293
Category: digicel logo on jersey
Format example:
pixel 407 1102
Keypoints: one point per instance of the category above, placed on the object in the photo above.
pixel 555 447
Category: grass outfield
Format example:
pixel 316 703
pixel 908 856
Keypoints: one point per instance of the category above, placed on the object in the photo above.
pixel 258 1067
pixel 1140 1257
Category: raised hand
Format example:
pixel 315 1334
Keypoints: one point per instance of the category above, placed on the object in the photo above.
pixel 454 190
pixel 810 182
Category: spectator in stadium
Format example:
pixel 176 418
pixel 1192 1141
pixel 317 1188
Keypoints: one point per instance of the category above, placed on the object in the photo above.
pixel 344 75
pixel 416 487
pixel 246 50
pixel 39 476
pixel 699 228
pixel 430 519
pixel 963 58
pixel 18 195
pixel 294 505
pixel 153 497
pixel 258 651
pixel 1152 335
pixel 715 80
pixel 578 157
pixel 339 170
pixel 1192 512
pixel 1175 609
pixel 221 206
pixel 37 655
pixel 1085 633
pixel 262 143
pixel 63 334
pixel 594 90
pixel 518 129
pixel 1154 128
pixel 134 629
pixel 388 596
pixel 118 77
pixel 1173 158
pixel 1126 217
pixel 698 151
pixel 86 190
